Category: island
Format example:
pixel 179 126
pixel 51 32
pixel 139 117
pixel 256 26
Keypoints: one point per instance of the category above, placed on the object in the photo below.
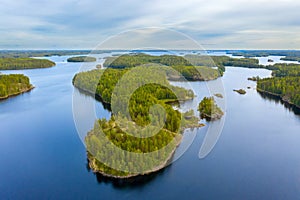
pixel 218 95
pixel 182 68
pixel 82 59
pixel 209 109
pixel 24 63
pixel 270 60
pixel 240 91
pixel 13 84
pixel 144 120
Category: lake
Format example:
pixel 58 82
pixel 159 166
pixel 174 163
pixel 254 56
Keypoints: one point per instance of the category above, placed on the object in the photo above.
pixel 42 155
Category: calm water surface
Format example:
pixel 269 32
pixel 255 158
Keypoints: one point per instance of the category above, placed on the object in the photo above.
pixel 42 156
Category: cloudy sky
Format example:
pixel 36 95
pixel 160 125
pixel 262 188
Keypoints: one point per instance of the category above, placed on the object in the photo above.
pixel 215 24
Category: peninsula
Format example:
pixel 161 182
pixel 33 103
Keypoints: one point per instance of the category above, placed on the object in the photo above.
pixel 13 84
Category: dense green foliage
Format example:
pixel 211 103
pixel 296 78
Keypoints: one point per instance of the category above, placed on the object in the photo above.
pixel 13 84
pixel 24 63
pixel 282 70
pixel 291 58
pixel 82 59
pixel 221 61
pixel 102 83
pixel 143 112
pixel 179 63
pixel 133 60
pixel 209 109
pixel 102 153
pixel 285 83
pixel 192 73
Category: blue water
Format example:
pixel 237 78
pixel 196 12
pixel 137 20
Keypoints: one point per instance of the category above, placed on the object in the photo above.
pixel 42 156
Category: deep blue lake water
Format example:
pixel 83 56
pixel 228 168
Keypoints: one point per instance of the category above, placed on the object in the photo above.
pixel 42 156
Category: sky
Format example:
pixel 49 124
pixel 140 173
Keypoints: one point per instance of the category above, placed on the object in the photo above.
pixel 214 24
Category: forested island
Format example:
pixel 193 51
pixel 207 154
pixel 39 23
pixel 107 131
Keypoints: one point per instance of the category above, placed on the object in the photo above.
pixel 284 84
pixel 13 84
pixel 24 63
pixel 184 70
pixel 82 59
pixel 101 83
pixel 209 109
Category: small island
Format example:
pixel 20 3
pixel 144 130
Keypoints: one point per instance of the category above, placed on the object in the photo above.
pixel 24 63
pixel 218 95
pixel 240 91
pixel 209 109
pixel 270 60
pixel 13 84
pixel 82 59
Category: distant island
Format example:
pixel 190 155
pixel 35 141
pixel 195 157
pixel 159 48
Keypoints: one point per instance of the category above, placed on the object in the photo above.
pixel 13 84
pixel 24 63
pixel 82 59
pixel 209 109
pixel 240 91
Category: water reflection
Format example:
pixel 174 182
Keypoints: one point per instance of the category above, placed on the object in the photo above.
pixel 134 182
pixel 278 100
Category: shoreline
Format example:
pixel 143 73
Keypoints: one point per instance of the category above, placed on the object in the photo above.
pixel 156 169
pixel 278 96
pixel 18 93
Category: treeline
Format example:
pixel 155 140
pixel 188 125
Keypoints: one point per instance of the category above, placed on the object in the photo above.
pixel 285 83
pixel 24 63
pixel 264 53
pixel 181 64
pixel 13 84
pixel 291 58
pixel 82 59
pixel 45 53
pixel 216 64
pixel 133 60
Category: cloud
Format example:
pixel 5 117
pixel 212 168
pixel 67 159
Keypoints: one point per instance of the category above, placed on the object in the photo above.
pixel 222 24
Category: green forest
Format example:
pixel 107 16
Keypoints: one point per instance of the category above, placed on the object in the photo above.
pixel 24 63
pixel 285 83
pixel 187 70
pixel 213 65
pixel 149 111
pixel 82 59
pixel 209 109
pixel 13 84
